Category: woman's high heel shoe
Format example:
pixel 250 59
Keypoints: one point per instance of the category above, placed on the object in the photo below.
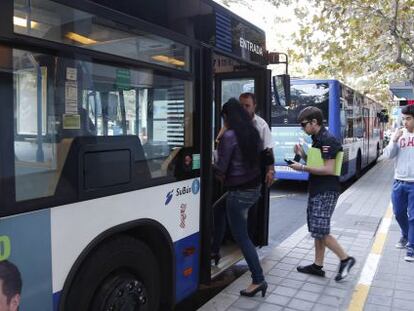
pixel 216 257
pixel 262 287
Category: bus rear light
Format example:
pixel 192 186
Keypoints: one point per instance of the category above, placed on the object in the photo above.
pixel 187 272
pixel 189 251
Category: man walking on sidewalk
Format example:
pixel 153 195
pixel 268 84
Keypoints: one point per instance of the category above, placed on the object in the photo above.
pixel 324 190
pixel 401 148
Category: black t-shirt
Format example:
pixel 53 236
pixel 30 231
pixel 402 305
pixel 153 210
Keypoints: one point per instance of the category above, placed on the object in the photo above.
pixel 329 147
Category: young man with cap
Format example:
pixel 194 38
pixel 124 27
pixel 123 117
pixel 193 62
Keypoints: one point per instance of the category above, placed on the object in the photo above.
pixel 324 190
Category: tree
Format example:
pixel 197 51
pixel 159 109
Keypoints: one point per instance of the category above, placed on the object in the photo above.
pixel 367 43
pixel 248 3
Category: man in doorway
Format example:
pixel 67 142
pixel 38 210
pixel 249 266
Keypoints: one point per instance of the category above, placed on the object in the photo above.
pixel 10 286
pixel 401 148
pixel 248 101
pixel 324 190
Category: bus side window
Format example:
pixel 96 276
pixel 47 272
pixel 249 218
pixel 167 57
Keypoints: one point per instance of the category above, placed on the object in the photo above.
pixel 35 152
pixel 77 98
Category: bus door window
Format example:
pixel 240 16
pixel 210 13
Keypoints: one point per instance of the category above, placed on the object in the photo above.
pixel 235 87
pixel 359 127
pixel 230 88
pixel 347 111
pixel 342 119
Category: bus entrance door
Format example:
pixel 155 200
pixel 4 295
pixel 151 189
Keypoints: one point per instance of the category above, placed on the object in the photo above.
pixel 226 86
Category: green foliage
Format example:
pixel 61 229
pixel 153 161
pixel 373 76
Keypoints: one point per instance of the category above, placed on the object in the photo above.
pixel 247 3
pixel 365 43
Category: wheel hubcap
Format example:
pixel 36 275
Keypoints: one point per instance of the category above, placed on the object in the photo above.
pixel 122 293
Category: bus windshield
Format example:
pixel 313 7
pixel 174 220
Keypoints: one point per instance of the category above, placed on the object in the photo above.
pixel 302 95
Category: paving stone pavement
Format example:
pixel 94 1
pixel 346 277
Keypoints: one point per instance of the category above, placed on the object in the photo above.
pixel 393 284
pixel 357 217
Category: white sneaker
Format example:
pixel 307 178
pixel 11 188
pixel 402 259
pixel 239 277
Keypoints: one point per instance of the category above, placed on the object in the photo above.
pixel 410 254
pixel 402 243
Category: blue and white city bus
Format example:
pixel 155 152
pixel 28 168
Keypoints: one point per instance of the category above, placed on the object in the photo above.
pixel 352 117
pixel 108 114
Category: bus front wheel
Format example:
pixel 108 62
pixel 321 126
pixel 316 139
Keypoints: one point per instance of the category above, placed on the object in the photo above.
pixel 122 274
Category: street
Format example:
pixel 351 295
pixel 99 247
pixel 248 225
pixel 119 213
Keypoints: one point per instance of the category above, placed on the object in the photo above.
pixel 287 210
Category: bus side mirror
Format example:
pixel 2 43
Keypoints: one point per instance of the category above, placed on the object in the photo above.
pixel 281 87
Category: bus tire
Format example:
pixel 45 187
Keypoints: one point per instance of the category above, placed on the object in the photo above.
pixel 358 167
pixel 121 274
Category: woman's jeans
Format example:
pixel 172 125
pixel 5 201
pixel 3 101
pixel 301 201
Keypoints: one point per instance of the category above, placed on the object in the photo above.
pixel 219 217
pixel 237 208
pixel 403 205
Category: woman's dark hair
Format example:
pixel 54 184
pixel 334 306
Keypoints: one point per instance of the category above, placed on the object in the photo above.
pixel 409 110
pixel 247 135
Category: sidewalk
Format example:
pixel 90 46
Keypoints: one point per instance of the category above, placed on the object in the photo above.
pixel 393 285
pixel 385 283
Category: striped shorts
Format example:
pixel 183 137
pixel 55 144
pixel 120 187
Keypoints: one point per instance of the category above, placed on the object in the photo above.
pixel 319 213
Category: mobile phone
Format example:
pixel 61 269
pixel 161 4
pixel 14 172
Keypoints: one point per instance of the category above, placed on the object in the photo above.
pixel 289 162
pixel 296 158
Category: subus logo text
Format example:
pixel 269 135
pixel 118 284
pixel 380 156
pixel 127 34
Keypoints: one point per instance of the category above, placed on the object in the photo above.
pixel 182 191
pixel 251 47
pixel 194 188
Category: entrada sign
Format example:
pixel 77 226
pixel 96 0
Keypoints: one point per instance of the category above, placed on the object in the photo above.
pixel 251 47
